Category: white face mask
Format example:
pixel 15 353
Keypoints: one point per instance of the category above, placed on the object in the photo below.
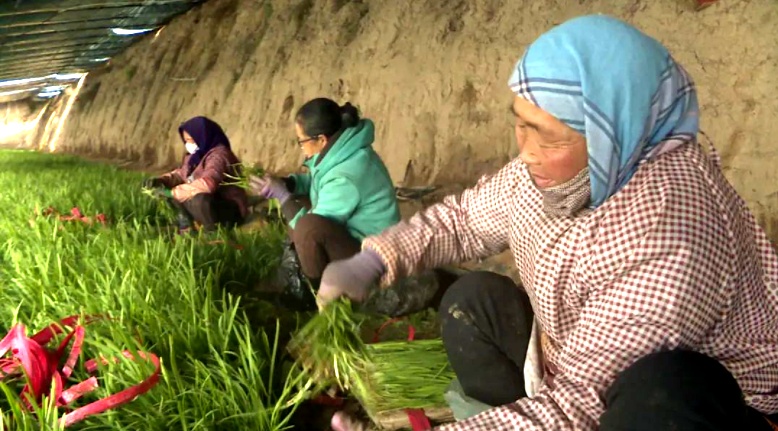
pixel 191 147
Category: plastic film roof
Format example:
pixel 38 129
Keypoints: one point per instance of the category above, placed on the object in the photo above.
pixel 46 45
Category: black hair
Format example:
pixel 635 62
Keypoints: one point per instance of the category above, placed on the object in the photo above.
pixel 324 116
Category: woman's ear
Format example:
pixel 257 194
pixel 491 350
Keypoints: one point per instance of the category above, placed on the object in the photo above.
pixel 322 142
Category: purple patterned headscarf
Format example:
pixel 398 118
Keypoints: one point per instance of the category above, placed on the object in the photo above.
pixel 207 135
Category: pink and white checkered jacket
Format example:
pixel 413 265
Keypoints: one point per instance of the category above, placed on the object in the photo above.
pixel 673 260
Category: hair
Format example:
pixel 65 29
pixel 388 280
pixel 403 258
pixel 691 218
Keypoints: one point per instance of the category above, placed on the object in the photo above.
pixel 324 116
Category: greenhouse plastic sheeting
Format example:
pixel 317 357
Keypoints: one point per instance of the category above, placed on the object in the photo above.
pixel 46 44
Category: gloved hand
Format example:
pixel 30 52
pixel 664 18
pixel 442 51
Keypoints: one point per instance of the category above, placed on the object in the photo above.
pixel 162 192
pixel 342 421
pixel 270 188
pixel 352 278
pixel 152 183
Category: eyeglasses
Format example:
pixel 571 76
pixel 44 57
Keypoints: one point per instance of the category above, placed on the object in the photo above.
pixel 300 142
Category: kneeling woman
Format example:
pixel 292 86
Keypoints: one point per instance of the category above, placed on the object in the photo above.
pixel 197 189
pixel 351 193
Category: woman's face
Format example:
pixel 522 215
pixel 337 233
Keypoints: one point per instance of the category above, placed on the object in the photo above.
pixel 310 145
pixel 553 152
pixel 188 139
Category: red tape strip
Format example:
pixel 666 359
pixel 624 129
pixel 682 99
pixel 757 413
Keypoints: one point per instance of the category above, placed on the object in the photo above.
pixel 75 215
pixel 119 398
pixel 418 420
pixel 78 336
pixel 234 245
pixel 40 365
pixel 377 335
pixel 78 390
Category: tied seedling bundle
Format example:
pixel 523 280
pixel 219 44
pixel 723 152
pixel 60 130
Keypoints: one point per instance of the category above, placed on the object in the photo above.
pixel 383 376
pixel 329 348
pixel 405 375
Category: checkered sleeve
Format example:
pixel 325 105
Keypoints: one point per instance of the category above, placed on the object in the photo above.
pixel 472 225
pixel 670 291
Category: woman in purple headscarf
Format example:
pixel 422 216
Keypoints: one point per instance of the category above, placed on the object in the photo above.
pixel 197 188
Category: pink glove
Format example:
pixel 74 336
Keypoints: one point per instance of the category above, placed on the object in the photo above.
pixel 270 188
pixel 352 277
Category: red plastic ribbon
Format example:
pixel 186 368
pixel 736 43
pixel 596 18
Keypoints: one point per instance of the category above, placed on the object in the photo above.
pixel 377 334
pixel 41 366
pixel 234 245
pixel 75 215
pixel 418 420
pixel 117 399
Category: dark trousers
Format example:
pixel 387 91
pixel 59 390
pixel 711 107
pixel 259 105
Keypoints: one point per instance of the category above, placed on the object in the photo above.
pixel 319 241
pixel 208 210
pixel 486 326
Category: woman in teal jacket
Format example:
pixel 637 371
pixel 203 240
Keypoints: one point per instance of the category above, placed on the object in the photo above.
pixel 351 193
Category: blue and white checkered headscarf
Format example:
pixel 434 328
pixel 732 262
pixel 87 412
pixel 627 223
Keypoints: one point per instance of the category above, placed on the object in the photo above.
pixel 615 85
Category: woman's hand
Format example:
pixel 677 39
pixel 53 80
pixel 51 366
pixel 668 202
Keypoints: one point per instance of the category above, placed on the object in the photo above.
pixel 153 183
pixel 341 421
pixel 162 193
pixel 269 188
pixel 352 278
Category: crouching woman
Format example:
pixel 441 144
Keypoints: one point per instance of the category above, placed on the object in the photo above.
pixel 350 191
pixel 197 188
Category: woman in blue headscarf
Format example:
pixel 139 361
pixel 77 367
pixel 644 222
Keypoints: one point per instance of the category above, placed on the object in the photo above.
pixel 196 189
pixel 648 299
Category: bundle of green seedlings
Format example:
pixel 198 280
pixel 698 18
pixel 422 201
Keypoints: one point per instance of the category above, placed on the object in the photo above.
pixel 383 376
pixel 405 374
pixel 148 191
pixel 244 173
pixel 329 348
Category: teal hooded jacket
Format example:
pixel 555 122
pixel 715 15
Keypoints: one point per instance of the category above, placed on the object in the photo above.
pixel 350 185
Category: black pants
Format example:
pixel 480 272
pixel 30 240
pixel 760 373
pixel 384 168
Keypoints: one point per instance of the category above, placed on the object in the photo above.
pixel 207 209
pixel 313 244
pixel 319 241
pixel 487 321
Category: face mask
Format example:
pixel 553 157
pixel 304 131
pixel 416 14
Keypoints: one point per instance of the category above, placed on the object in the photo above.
pixel 191 147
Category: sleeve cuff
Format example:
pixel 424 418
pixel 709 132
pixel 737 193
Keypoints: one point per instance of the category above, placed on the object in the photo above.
pixel 390 262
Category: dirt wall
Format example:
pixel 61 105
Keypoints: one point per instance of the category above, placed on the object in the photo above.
pixel 15 123
pixel 431 73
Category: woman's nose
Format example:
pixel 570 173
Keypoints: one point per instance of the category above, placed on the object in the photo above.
pixel 529 153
